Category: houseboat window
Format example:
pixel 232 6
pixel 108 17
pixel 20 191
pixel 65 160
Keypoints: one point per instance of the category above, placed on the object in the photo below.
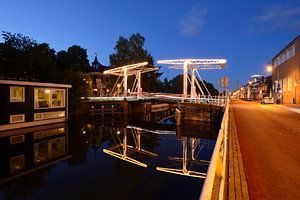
pixel 57 98
pixel 17 94
pixel 49 98
pixel 17 118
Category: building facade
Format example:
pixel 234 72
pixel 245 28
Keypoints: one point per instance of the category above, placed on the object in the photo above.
pixel 24 104
pixel 286 73
pixel 97 81
pixel 257 88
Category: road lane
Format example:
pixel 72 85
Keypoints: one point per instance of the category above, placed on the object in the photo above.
pixel 269 137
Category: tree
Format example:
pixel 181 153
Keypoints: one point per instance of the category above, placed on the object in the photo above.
pixel 12 56
pixel 22 58
pixel 175 85
pixel 75 58
pixel 131 50
pixel 39 63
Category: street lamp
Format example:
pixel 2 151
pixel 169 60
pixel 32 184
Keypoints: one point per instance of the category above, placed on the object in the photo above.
pixel 269 68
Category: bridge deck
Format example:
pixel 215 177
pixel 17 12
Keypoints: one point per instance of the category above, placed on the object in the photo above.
pixel 160 97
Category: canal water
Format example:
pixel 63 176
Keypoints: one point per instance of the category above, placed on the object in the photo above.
pixel 106 158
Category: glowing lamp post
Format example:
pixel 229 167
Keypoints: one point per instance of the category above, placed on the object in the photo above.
pixel 269 68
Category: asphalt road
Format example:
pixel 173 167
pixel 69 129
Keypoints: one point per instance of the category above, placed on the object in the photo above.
pixel 269 137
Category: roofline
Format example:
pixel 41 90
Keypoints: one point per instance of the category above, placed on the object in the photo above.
pixel 14 82
pixel 289 44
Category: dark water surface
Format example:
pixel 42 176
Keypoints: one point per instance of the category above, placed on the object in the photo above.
pixel 85 159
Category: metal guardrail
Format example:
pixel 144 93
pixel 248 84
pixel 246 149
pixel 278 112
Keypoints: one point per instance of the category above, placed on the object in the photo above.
pixel 217 164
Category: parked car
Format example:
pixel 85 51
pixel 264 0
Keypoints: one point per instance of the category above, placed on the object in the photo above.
pixel 267 100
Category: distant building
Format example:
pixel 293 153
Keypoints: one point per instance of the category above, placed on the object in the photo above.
pixel 286 73
pixel 97 80
pixel 24 104
pixel 257 88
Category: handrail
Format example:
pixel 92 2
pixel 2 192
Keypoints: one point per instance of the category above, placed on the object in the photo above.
pixel 217 164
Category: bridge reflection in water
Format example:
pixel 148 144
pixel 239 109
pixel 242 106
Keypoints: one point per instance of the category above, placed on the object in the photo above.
pixel 89 157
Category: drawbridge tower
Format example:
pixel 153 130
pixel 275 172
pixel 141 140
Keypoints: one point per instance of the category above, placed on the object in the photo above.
pixel 192 66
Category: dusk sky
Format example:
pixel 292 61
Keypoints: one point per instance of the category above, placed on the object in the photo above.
pixel 247 33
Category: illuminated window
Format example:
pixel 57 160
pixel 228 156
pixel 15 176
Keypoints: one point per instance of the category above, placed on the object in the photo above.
pixel 284 84
pixel 17 94
pixel 17 118
pixel 49 98
pixel 57 97
pixel 289 85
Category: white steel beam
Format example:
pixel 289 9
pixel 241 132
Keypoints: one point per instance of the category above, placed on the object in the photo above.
pixel 128 67
pixel 185 83
pixel 193 88
pixel 139 84
pixel 125 82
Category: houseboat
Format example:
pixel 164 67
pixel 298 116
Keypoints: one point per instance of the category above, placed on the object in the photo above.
pixel 25 104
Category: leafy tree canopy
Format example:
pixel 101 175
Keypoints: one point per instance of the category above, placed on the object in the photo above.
pixel 131 50
pixel 22 58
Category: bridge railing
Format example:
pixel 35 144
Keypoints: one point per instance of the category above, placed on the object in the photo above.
pixel 217 164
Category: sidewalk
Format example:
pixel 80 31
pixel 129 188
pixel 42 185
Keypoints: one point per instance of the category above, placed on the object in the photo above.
pixel 293 107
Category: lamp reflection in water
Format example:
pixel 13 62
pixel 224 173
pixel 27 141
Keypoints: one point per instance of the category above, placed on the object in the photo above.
pixel 124 151
pixel 187 161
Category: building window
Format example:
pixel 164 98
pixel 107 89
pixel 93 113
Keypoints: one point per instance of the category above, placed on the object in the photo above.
pixel 49 115
pixel 285 56
pixel 284 85
pixel 17 94
pixel 289 84
pixel 49 98
pixel 17 118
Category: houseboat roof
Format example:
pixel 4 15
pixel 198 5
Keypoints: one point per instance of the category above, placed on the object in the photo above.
pixel 27 83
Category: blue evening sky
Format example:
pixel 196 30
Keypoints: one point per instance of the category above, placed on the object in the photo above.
pixel 247 33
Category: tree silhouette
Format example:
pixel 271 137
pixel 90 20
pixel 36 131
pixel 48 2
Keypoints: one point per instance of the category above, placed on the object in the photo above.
pixel 131 50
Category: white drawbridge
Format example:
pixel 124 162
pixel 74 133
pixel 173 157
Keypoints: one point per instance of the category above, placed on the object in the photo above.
pixel 127 70
pixel 193 65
